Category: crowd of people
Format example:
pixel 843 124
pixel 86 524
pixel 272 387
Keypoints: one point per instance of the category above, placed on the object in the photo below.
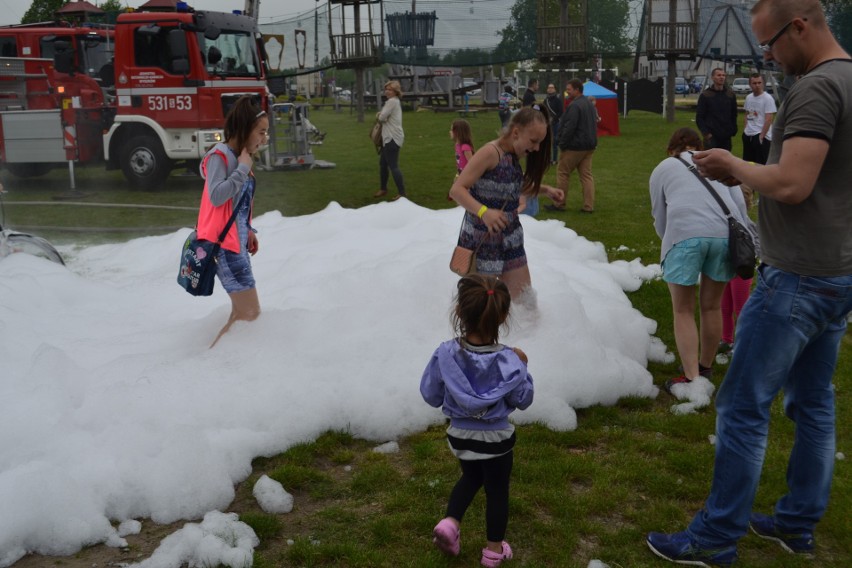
pixel 788 328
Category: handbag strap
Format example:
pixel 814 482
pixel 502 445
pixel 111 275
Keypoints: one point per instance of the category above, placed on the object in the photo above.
pixel 485 234
pixel 709 187
pixel 230 222
pixel 232 219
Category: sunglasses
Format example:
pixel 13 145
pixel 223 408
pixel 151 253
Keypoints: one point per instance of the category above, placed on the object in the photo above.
pixel 767 47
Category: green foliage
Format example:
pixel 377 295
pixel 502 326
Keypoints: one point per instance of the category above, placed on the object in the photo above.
pixel 42 11
pixel 265 526
pixel 839 15
pixel 296 477
pixel 519 36
pixel 374 475
pixel 467 56
pixel 111 6
pixel 608 22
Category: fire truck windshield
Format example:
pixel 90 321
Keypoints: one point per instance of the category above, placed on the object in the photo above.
pixel 232 54
pixel 97 52
pixel 94 51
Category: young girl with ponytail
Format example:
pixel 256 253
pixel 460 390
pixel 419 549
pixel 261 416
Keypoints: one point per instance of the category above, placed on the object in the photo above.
pixel 478 383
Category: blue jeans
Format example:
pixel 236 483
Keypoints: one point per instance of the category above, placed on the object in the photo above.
pixel 788 337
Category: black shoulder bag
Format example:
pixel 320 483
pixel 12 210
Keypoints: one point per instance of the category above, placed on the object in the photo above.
pixel 198 258
pixel 741 250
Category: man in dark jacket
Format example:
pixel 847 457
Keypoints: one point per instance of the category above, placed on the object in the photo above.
pixel 529 94
pixel 716 116
pixel 578 138
pixel 553 106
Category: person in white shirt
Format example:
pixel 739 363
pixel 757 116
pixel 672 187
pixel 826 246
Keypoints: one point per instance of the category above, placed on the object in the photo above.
pixel 759 112
pixel 392 138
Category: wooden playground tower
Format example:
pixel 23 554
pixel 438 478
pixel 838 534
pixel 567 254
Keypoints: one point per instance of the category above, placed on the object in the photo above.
pixel 356 49
pixel 562 30
pixel 562 33
pixel 413 31
pixel 671 28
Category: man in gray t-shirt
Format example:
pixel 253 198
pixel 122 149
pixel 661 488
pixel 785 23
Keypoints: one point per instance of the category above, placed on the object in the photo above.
pixel 789 332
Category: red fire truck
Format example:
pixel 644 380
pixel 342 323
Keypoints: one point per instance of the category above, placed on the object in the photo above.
pixel 92 42
pixel 145 96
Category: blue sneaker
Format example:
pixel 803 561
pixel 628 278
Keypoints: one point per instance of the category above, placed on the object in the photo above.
pixel 678 548
pixel 764 527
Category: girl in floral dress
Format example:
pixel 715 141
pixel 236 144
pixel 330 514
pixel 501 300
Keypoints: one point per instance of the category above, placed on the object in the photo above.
pixel 490 187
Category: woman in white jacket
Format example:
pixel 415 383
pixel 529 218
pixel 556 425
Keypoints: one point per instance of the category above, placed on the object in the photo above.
pixel 694 252
pixel 392 138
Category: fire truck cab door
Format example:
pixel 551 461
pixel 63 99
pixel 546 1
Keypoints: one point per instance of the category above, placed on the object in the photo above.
pixel 157 84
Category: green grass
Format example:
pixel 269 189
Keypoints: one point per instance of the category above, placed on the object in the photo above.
pixel 588 494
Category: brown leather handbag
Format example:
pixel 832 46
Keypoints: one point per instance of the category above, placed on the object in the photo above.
pixel 376 136
pixel 463 261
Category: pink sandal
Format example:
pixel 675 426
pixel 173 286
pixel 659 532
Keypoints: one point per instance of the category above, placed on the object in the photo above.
pixel 493 559
pixel 445 536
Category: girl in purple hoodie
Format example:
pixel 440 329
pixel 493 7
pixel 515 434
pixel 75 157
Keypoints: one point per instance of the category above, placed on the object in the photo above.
pixel 478 382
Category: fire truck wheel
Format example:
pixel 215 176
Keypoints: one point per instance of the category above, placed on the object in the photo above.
pixel 28 170
pixel 144 162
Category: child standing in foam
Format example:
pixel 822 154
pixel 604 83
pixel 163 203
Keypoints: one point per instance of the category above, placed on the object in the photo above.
pixel 463 138
pixel 478 383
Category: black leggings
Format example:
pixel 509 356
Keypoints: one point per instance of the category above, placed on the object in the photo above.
pixel 389 160
pixel 494 475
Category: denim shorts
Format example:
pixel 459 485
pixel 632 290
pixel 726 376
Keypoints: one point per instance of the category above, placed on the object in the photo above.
pixel 688 259
pixel 234 271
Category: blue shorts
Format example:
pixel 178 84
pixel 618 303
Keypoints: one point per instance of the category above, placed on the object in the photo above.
pixel 234 271
pixel 688 259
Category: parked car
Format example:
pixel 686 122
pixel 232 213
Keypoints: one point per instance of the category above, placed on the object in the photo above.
pixel 769 82
pixel 681 87
pixel 696 85
pixel 740 86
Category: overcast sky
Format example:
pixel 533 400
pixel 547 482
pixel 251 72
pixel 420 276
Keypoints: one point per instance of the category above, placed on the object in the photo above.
pixel 11 11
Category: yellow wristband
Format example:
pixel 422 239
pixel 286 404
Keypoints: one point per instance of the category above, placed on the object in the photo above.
pixel 481 211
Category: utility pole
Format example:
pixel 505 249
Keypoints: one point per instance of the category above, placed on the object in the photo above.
pixel 415 80
pixel 359 70
pixel 317 75
pixel 252 8
pixel 672 67
pixel 316 34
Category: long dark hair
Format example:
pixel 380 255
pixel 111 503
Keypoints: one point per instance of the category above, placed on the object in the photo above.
pixel 241 119
pixel 482 306
pixel 539 161
pixel 461 132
